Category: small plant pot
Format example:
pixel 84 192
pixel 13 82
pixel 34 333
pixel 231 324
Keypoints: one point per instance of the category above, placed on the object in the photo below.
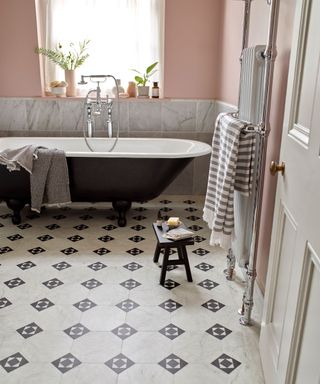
pixel 143 91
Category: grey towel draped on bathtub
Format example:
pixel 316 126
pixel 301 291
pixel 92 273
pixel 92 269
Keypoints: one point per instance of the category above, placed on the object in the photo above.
pixel 49 178
pixel 231 167
pixel 49 181
pixel 23 157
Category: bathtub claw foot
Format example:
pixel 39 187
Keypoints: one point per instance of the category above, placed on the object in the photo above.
pixel 121 207
pixel 16 206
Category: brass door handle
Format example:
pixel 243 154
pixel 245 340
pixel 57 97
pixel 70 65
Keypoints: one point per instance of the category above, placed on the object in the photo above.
pixel 274 168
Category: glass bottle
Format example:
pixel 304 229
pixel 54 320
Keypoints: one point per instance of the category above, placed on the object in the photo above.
pixel 132 90
pixel 120 88
pixel 155 90
pixel 159 220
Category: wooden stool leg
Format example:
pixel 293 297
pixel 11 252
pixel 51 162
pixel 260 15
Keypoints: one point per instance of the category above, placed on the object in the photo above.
pixel 180 254
pixel 183 251
pixel 156 254
pixel 164 265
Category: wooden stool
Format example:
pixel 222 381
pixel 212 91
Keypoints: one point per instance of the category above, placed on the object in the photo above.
pixel 167 244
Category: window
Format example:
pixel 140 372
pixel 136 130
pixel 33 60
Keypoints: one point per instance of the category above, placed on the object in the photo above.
pixel 123 34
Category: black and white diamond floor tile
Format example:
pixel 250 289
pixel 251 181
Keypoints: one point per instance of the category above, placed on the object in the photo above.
pixel 130 284
pixel 26 265
pixel 85 305
pixel 171 331
pixel 29 330
pixel 124 331
pixel 13 283
pixel 218 331
pixel 119 363
pixel 15 237
pixel 107 303
pixel 173 363
pixel 127 305
pixel 5 250
pixel 52 283
pixel 43 304
pixel 66 362
pixel 76 330
pixel 13 362
pixel 226 363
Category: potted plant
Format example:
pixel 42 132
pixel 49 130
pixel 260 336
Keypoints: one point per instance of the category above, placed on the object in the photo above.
pixel 68 61
pixel 143 78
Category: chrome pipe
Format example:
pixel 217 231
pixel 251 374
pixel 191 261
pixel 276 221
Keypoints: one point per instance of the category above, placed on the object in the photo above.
pixel 269 56
pixel 246 22
pixel 245 34
pixel 231 263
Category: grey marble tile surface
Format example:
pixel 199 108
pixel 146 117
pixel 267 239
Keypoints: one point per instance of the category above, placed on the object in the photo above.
pixel 178 115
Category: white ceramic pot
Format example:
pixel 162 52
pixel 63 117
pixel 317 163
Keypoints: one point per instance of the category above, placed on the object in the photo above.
pixel 58 91
pixel 143 91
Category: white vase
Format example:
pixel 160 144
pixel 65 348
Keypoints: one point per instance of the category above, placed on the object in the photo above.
pixel 70 77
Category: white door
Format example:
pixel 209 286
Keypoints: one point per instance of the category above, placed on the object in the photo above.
pixel 290 332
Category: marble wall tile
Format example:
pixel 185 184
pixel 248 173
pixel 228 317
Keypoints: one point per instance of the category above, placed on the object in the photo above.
pixel 43 115
pixel 13 114
pixel 221 106
pixel 144 116
pixel 180 135
pixel 145 134
pixel 178 115
pixel 124 116
pixel 72 115
pixel 206 115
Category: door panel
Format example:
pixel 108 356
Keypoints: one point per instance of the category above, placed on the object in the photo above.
pixel 285 248
pixel 307 366
pixel 309 69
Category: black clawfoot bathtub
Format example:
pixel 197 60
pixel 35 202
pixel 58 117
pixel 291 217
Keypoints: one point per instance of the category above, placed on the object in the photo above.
pixel 137 170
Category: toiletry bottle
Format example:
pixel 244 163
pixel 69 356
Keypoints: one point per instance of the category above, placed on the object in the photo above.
pixel 132 90
pixel 155 90
pixel 159 220
pixel 120 88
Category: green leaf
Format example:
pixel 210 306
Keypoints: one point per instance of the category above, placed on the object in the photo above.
pixel 70 60
pixel 150 68
pixel 139 80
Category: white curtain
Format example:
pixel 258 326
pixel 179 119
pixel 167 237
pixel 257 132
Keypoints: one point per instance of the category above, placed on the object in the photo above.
pixel 123 34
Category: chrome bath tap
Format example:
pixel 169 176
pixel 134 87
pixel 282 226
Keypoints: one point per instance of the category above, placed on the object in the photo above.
pixel 89 120
pixel 96 106
pixel 109 117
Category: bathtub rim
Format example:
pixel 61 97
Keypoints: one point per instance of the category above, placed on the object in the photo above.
pixel 198 148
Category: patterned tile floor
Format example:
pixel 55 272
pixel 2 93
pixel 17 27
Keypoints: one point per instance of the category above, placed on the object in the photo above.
pixel 80 302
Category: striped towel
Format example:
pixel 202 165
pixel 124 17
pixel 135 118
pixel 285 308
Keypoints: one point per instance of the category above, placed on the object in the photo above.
pixel 231 167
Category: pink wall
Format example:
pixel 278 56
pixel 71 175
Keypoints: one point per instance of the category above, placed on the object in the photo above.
pixel 229 51
pixel 192 36
pixel 19 66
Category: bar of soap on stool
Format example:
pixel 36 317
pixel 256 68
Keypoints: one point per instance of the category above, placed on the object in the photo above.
pixel 173 221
